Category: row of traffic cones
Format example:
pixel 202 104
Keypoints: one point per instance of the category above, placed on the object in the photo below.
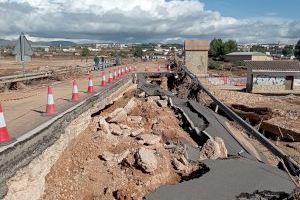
pixel 50 107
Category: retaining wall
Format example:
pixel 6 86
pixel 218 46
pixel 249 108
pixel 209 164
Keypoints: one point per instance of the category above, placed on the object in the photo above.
pixel 57 131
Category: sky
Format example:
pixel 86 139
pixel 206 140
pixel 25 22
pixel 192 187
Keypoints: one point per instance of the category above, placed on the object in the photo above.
pixel 167 21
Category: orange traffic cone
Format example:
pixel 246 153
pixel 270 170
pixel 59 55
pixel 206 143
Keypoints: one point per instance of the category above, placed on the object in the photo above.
pixel 110 78
pixel 90 86
pixel 4 136
pixel 103 83
pixel 75 94
pixel 50 108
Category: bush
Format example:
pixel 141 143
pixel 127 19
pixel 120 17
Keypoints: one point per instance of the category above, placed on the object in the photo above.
pixel 214 64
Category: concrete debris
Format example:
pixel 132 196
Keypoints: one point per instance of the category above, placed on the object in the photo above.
pixel 162 103
pixel 130 105
pixel 115 129
pixel 141 95
pixel 148 139
pixel 156 129
pixel 126 132
pixel 119 115
pixel 134 119
pixel 137 132
pixel 108 156
pixel 104 125
pixel 179 165
pixel 145 158
pixel 183 160
pixel 154 98
pixel 213 149
pixel 124 126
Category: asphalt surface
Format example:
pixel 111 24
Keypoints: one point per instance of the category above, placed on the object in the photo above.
pixel 227 179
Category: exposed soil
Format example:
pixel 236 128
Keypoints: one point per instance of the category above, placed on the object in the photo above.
pixel 82 173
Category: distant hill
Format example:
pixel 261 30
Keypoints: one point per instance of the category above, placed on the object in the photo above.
pixel 5 43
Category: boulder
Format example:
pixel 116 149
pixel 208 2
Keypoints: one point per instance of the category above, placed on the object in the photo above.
pixel 115 129
pixel 213 149
pixel 118 115
pixel 130 105
pixel 145 159
pixel 148 139
pixel 179 165
pixel 162 103
pixel 135 119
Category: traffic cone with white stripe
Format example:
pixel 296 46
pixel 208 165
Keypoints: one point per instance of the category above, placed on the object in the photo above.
pixel 90 86
pixel 115 75
pixel 75 93
pixel 50 108
pixel 4 136
pixel 103 83
pixel 119 72
pixel 110 78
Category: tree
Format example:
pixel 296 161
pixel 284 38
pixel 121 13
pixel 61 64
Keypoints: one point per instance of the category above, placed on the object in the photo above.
pixel 138 52
pixel 85 53
pixel 297 50
pixel 258 48
pixel 288 50
pixel 217 49
pixel 230 46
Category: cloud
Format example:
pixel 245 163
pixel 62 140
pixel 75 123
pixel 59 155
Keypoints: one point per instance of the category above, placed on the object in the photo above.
pixel 135 21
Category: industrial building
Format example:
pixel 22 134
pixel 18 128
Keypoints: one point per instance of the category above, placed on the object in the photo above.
pixel 242 56
pixel 273 76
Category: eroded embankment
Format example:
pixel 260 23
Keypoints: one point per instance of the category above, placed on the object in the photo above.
pixel 128 150
pixel 39 151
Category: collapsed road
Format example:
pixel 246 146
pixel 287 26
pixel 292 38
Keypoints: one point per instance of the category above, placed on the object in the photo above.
pixel 145 141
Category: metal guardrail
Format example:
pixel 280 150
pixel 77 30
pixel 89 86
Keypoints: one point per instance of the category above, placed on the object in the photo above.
pixel 291 164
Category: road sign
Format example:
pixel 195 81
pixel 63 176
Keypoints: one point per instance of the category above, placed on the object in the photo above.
pixel 23 50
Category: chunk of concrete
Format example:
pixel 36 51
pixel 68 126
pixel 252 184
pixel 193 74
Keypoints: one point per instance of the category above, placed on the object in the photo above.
pixel 162 103
pixel 137 132
pixel 141 95
pixel 135 119
pixel 104 125
pixel 118 115
pixel 108 156
pixel 213 149
pixel 130 105
pixel 115 129
pixel 148 139
pixel 145 158
pixel 179 165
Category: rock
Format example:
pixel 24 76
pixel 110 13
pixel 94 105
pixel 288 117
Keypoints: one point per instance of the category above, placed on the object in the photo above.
pixel 162 103
pixel 104 125
pixel 145 158
pixel 115 129
pixel 183 160
pixel 108 156
pixel 137 132
pixel 213 149
pixel 130 105
pixel 178 165
pixel 141 95
pixel 156 129
pixel 119 115
pixel 155 98
pixel 135 119
pixel 148 139
pixel 223 149
pixel 123 126
pixel 164 97
pixel 126 132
